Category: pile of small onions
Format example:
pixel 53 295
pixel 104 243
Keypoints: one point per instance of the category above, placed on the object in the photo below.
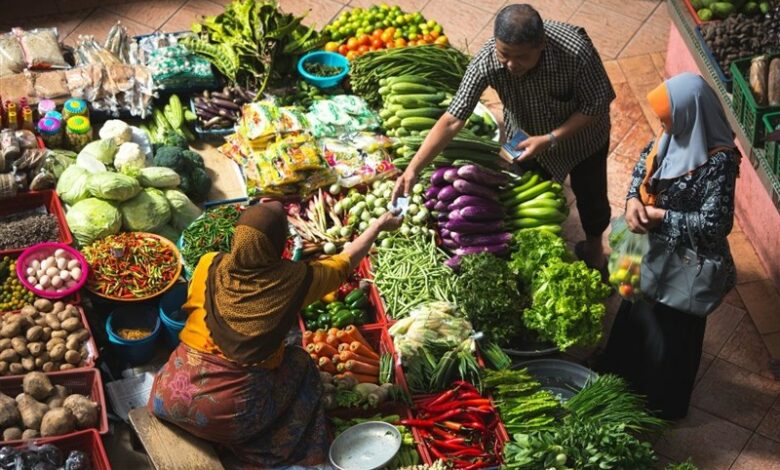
pixel 55 273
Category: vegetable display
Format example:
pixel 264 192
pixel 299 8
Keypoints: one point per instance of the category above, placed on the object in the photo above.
pixel 13 295
pixel 213 231
pixel 130 265
pixel 348 306
pixel 362 21
pixel 57 272
pixel 26 229
pixel 534 249
pixel 318 224
pixel 531 201
pixel 463 150
pixel 407 455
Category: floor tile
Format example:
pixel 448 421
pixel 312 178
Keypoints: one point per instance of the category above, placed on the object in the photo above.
pixel 625 111
pixel 67 5
pixel 618 181
pixel 745 348
pixel 733 298
pixel 659 60
pixel 639 10
pixel 490 6
pixel 100 21
pixel 64 22
pixel 720 327
pixel 735 394
pixel 749 267
pixel 704 365
pixel 763 304
pixel 152 13
pixel 461 21
pixel 635 141
pixel 643 77
pixel 609 30
pixel 770 425
pixel 652 37
pixel 192 12
pixel 19 10
pixel 556 10
pixel 474 44
pixel 760 453
pixel 614 72
pixel 408 6
pixel 772 343
pixel 710 442
pixel 318 12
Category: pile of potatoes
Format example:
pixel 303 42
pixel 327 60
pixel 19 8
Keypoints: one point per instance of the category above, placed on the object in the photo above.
pixel 46 336
pixel 44 410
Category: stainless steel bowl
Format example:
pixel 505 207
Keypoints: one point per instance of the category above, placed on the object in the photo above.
pixel 365 446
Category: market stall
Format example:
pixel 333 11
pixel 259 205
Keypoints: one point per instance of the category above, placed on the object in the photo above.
pixel 115 183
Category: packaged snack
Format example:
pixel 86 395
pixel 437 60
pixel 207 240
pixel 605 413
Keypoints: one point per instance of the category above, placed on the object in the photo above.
pixel 11 55
pixel 41 48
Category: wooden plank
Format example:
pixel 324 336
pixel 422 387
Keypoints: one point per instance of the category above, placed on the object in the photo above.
pixel 172 448
pixel 227 182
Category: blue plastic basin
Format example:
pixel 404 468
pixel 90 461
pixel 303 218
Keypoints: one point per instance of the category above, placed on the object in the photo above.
pixel 170 310
pixel 326 58
pixel 133 352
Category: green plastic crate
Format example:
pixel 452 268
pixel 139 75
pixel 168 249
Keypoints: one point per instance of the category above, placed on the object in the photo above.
pixel 749 113
pixel 771 122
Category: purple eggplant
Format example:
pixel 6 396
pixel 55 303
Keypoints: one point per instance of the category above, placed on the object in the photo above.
pixel 447 194
pixel 462 226
pixel 453 263
pixel 430 203
pixel 437 178
pixel 432 192
pixel 481 239
pixel 472 250
pixel 474 189
pixel 481 175
pixel 440 206
pixel 449 243
pixel 444 233
pixel 442 216
pixel 451 175
pixel 482 213
pixel 466 200
pixel 455 217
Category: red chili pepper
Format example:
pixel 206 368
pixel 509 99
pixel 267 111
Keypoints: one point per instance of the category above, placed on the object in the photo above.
pixel 475 425
pixel 481 464
pixel 481 410
pixel 422 423
pixel 437 454
pixel 465 385
pixel 452 425
pixel 451 445
pixel 444 397
pixel 459 404
pixel 470 452
pixel 471 395
pixel 443 434
pixel 445 416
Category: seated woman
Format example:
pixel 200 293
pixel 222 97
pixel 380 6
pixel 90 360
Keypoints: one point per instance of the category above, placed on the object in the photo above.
pixel 232 380
pixel 682 190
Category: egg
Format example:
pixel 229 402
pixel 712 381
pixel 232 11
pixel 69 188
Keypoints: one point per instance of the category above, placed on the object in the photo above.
pixel 53 271
pixel 40 273
pixel 44 265
pixel 30 271
pixel 36 264
pixel 32 280
pixel 52 260
pixel 44 280
pixel 75 273
pixel 74 263
pixel 38 287
pixel 56 282
pixel 65 275
pixel 58 252
pixel 62 263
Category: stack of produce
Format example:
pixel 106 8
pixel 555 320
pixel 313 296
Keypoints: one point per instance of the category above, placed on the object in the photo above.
pixel 221 109
pixel 410 105
pixel 349 305
pixel 194 181
pixel 318 224
pixel 13 295
pixel 57 272
pixel 45 410
pixel 764 79
pixel 436 347
pixel 411 271
pixel 407 455
pixel 524 406
pixel 213 231
pixel 171 118
pixel 708 10
pixel 253 43
pixel 463 149
pixel 531 201
pixel 459 426
pixel 26 229
pixel 358 22
pixel 45 336
pixel 468 210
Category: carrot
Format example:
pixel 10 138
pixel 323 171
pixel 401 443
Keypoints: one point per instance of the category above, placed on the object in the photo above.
pixel 347 355
pixel 341 367
pixel 324 349
pixel 319 336
pixel 343 347
pixel 307 337
pixel 336 359
pixel 331 339
pixel 315 358
pixel 310 347
pixel 343 336
pixel 362 368
pixel 326 365
pixel 362 378
pixel 363 350
pixel 353 333
pixel 333 331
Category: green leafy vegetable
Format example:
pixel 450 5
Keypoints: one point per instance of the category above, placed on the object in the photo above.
pixel 533 250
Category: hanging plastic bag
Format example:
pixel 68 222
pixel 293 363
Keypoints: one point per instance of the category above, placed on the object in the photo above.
pixel 628 248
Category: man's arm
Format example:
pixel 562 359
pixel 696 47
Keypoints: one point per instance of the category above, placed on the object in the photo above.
pixel 539 143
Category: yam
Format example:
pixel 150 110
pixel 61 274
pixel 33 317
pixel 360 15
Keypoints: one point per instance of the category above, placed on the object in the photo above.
pixel 30 434
pixel 35 333
pixel 71 324
pixel 43 305
pixel 57 422
pixel 37 385
pixel 12 434
pixel 773 83
pixel 31 410
pixel 84 409
pixel 9 411
pixel 759 71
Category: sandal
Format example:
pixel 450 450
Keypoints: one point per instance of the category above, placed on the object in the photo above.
pixel 579 251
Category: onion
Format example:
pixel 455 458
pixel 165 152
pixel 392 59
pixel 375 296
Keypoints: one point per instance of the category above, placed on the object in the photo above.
pixel 69 283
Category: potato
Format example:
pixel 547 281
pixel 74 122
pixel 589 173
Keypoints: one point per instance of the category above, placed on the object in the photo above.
pixel 40 321
pixel 16 368
pixel 37 385
pixel 67 367
pixel 71 324
pixel 59 334
pixel 28 363
pixel 46 333
pixel 26 321
pixel 9 355
pixel 73 357
pixel 84 409
pixel 52 342
pixel 48 367
pixel 20 346
pixel 35 348
pixel 29 310
pixel 53 322
pixel 81 335
pixel 11 329
pixel 5 343
pixel 72 344
pixel 30 434
pixel 39 362
pixel 35 333
pixel 3 367
pixel 12 434
pixel 9 411
pixel 31 410
pixel 43 305
pixel 57 422
pixel 57 353
pixel 58 306
pixel 55 402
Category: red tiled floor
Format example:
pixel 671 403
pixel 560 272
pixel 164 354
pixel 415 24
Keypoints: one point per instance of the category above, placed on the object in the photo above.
pixel 720 327
pixel 763 302
pixel 609 30
pixel 100 21
pixel 318 12
pixel 652 36
pixel 461 21
pixel 152 13
pixel 746 349
pixel 760 453
pixel 190 13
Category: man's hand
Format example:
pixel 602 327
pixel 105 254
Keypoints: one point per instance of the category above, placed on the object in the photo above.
pixel 533 146
pixel 389 221
pixel 636 216
pixel 404 184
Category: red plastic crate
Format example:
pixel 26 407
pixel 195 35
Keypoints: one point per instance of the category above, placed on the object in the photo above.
pixel 87 441
pixel 86 382
pixel 92 349
pixel 30 200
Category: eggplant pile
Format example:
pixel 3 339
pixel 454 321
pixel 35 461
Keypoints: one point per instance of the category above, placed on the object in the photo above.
pixel 221 109
pixel 468 209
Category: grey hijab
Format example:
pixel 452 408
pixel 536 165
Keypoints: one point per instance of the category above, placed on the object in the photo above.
pixel 698 126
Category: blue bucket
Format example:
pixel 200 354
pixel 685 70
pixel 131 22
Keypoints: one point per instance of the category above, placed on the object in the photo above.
pixel 139 351
pixel 325 58
pixel 171 314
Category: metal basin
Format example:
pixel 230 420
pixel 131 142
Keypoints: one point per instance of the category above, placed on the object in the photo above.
pixel 562 378
pixel 365 446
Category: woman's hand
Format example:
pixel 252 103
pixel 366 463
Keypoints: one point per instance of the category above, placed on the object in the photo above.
pixel 636 216
pixel 655 215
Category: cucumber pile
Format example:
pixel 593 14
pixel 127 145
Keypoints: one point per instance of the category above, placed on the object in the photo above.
pixel 463 149
pixel 172 118
pixel 531 201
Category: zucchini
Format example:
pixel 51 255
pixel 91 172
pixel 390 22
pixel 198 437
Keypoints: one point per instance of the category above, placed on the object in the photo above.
pixel 175 114
pixel 429 112
pixel 528 194
pixel 409 88
pixel 160 121
pixel 541 213
pixel 384 91
pixel 542 203
pixel 402 132
pixel 417 123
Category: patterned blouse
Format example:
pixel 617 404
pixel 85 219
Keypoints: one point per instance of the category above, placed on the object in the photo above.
pixel 701 202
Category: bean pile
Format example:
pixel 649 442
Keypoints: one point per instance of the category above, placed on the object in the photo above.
pixel 24 230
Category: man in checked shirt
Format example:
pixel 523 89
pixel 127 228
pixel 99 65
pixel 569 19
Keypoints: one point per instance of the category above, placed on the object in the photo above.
pixel 553 86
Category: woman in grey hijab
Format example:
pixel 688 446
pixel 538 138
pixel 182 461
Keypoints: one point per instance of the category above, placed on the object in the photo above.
pixel 682 189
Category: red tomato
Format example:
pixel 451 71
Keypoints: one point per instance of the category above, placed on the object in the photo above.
pixel 400 42
pixel 352 44
pixel 377 34
pixel 377 43
pixel 351 55
pixel 626 290
pixel 362 49
pixel 365 40
pixel 343 49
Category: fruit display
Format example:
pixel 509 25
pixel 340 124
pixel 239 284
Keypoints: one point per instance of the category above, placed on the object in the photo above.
pixel 13 295
pixel 708 10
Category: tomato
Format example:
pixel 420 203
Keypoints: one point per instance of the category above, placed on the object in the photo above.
pixel 374 48
pixel 343 49
pixel 400 42
pixel 435 34
pixel 442 40
pixel 377 34
pixel 626 290
pixel 377 43
pixel 386 36
pixel 362 49
pixel 352 44
pixel 428 38
pixel 422 42
pixel 351 55
pixel 411 43
pixel 389 45
pixel 365 40
pixel 332 46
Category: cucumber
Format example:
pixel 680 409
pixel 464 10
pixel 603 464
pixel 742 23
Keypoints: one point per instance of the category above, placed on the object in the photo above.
pixel 429 112
pixel 541 213
pixel 528 194
pixel 409 88
pixel 393 123
pixel 384 91
pixel 385 113
pixel 394 107
pixel 176 112
pixel 402 132
pixel 542 203
pixel 405 79
pixel 410 101
pixel 417 123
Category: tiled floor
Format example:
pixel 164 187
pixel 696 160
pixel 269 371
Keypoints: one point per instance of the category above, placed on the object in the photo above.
pixel 735 417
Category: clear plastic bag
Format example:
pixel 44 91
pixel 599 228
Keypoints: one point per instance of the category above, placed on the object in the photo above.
pixel 41 48
pixel 11 55
pixel 625 261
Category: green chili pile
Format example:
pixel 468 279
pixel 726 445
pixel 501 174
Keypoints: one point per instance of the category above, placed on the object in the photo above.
pixel 130 265
pixel 213 231
pixel 321 70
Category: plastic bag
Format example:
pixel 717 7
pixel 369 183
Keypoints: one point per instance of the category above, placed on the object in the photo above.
pixel 11 55
pixel 41 48
pixel 625 261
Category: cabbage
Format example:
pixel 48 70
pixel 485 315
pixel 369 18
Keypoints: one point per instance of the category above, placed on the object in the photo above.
pixel 159 177
pixel 72 185
pixel 102 150
pixel 146 212
pixel 113 186
pixel 92 219
pixel 183 211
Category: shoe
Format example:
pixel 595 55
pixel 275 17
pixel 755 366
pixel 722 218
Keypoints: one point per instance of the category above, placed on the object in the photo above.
pixel 579 251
